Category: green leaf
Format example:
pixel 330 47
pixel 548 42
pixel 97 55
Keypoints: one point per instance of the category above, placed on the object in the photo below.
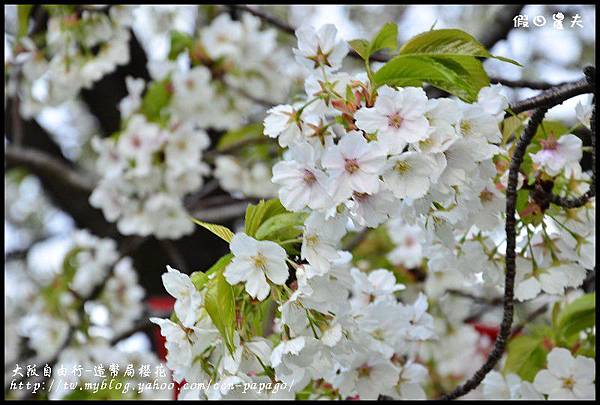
pixel 257 214
pixel 201 278
pixel 386 38
pixel 522 199
pixel 361 46
pixel 282 226
pixel 180 42
pixel 220 305
pixel 23 12
pixel 470 69
pixel 448 42
pixel 219 230
pixel 526 356
pixel 512 125
pixel 156 98
pixel 577 316
pixel 414 70
pixel 247 132
pixel 446 59
pixel 549 127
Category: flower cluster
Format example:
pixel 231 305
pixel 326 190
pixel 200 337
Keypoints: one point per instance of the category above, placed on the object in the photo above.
pixel 341 331
pixel 95 355
pixel 365 150
pixel 237 176
pixel 78 50
pixel 50 307
pixel 146 171
pixel 566 377
pixel 149 166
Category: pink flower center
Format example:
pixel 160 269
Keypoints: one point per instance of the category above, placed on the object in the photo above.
pixel 395 120
pixel 549 144
pixel 351 165
pixel 309 177
pixel 136 141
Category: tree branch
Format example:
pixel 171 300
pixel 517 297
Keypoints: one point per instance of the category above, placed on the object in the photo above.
pixel 583 199
pixel 174 255
pixel 40 162
pixel 552 97
pixel 501 26
pixel 287 28
pixel 103 98
pixel 530 318
pixel 528 84
pixel 509 282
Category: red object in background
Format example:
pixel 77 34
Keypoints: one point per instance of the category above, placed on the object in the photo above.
pixel 162 306
pixel 488 330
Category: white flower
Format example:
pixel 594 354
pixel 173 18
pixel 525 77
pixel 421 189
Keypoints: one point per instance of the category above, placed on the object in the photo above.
pixel 492 101
pixel 188 299
pixel 322 86
pixel 398 117
pixel 492 203
pixel 320 239
pixel 192 94
pixel 378 285
pixel 291 360
pixel 408 239
pixel 167 217
pixel 252 261
pixel 320 49
pixel 185 344
pixel 372 209
pixel 139 141
pixel 408 174
pixel 557 154
pixel 552 280
pixel 412 376
pixel 302 183
pixel 354 165
pixel 133 101
pixel 584 113
pixel 282 122
pixel 222 36
pixel 496 386
pixel 421 323
pixel 477 124
pixel 567 377
pixel 184 148
pixel 369 376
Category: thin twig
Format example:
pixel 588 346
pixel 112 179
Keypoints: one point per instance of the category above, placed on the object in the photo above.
pixel 576 202
pixel 500 26
pixel 475 298
pixel 527 84
pixel 530 318
pixel 220 214
pixel 39 161
pixel 174 255
pixel 357 239
pixel 287 28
